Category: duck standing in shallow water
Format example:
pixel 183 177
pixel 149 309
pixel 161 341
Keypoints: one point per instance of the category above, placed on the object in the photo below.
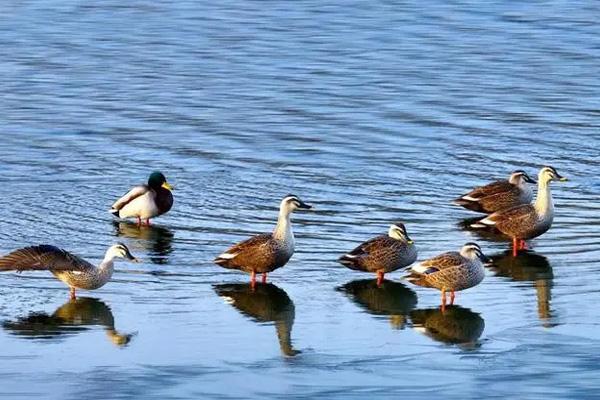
pixel 76 272
pixel 451 272
pixel 383 254
pixel 529 220
pixel 499 195
pixel 145 201
pixel 266 252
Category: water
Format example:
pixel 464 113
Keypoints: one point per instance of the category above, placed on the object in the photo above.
pixel 371 111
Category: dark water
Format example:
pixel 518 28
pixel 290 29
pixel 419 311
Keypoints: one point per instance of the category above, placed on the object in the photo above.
pixel 373 112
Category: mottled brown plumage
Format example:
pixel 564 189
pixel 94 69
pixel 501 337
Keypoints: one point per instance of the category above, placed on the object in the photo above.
pixel 268 251
pixel 260 253
pixel 382 254
pixel 43 257
pixel 70 269
pixel 452 271
pixel 498 195
pixel 529 220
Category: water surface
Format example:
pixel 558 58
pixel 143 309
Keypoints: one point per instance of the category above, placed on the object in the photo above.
pixel 373 112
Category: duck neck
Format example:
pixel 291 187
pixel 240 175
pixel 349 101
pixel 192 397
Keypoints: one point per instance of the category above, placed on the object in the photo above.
pixel 108 264
pixel 283 230
pixel 543 203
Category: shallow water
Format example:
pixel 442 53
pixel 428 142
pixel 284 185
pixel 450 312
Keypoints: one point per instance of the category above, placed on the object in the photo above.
pixel 371 111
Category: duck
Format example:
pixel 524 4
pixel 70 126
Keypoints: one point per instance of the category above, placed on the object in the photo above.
pixel 72 270
pixel 451 272
pixel 383 254
pixel 266 252
pixel 499 195
pixel 526 221
pixel 145 201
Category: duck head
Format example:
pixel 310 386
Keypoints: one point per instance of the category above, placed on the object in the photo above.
pixel 473 251
pixel 549 174
pixel 158 180
pixel 398 231
pixel 291 203
pixel 119 250
pixel 519 177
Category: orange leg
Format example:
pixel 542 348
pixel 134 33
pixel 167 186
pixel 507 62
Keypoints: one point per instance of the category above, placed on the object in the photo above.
pixel 264 277
pixel 515 246
pixel 139 221
pixel 522 245
pixel 253 279
pixel 72 294
pixel 148 221
pixel 452 296
pixel 380 276
pixel 443 306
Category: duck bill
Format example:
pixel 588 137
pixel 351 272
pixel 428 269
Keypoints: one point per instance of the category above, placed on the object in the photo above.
pixel 303 206
pixel 131 258
pixel 562 178
pixel 486 260
pixel 167 186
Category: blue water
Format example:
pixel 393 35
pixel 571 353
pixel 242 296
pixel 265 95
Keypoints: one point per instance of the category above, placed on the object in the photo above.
pixel 371 111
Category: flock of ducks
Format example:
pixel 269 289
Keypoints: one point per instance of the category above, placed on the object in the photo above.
pixel 507 203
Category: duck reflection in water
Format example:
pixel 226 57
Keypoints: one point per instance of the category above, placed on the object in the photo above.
pixel 72 317
pixel 264 303
pixel 455 325
pixel 157 240
pixel 391 298
pixel 529 267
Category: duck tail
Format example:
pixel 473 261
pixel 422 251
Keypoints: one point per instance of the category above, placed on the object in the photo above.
pixel 416 278
pixel 469 204
pixel 348 260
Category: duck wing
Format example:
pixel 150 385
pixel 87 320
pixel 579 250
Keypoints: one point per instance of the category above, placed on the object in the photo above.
pixel 488 190
pixel 373 246
pixel 43 257
pixel 439 263
pixel 134 193
pixel 252 251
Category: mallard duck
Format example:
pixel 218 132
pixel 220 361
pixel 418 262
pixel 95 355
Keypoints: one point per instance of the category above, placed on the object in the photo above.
pixel 388 298
pixel 452 271
pixel 529 220
pixel 266 252
pixel 383 254
pixel 72 317
pixel 499 195
pixel 264 303
pixel 75 272
pixel 145 201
